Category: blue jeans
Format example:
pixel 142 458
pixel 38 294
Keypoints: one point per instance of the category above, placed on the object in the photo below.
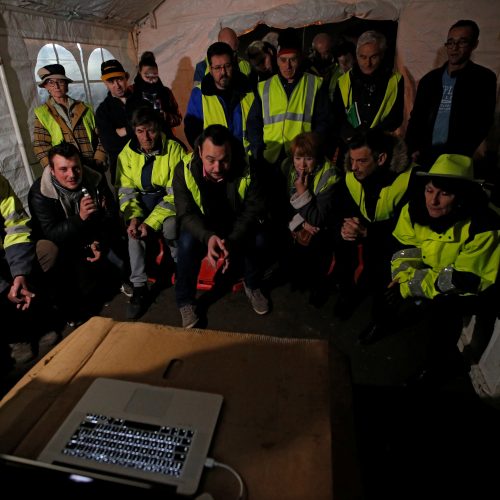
pixel 137 252
pixel 190 253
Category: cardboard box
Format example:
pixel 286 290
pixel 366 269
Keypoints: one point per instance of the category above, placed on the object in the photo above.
pixel 279 394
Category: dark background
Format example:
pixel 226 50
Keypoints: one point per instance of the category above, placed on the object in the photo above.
pixel 349 30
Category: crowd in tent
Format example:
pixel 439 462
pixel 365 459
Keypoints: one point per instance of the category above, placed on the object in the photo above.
pixel 290 157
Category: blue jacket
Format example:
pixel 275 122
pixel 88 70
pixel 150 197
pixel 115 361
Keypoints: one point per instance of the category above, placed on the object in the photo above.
pixel 193 121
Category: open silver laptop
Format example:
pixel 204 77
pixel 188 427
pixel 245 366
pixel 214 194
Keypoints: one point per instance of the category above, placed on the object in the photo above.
pixel 154 434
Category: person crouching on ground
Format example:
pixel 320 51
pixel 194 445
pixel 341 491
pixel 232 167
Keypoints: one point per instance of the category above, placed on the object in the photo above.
pixel 219 211
pixel 449 264
pixel 310 178
pixel 75 221
pixel 144 184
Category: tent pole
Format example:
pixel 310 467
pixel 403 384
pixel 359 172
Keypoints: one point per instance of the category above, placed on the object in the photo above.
pixel 13 116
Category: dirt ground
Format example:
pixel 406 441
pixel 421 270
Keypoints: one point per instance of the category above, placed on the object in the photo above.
pixel 445 438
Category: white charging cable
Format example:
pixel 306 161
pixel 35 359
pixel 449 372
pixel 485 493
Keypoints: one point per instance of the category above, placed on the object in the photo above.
pixel 211 463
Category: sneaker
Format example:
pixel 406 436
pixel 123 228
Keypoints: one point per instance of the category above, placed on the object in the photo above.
pixel 189 316
pixel 259 303
pixel 127 289
pixel 138 302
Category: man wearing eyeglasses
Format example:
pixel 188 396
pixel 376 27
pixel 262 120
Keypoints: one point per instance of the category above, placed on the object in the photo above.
pixel 454 106
pixel 223 97
pixel 226 35
pixel 62 118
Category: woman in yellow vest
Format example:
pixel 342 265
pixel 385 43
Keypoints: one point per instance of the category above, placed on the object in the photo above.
pixel 449 262
pixel 310 178
pixel 63 119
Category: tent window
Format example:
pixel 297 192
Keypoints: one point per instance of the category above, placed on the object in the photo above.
pixel 53 53
pixel 87 85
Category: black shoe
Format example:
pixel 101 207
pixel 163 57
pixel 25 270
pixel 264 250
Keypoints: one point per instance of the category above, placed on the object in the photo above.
pixel 371 334
pixel 138 302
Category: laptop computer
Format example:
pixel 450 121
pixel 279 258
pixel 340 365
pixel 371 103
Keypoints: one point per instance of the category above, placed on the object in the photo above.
pixel 137 431
pixel 27 476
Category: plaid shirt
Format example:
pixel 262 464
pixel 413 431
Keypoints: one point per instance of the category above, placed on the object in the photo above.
pixel 91 148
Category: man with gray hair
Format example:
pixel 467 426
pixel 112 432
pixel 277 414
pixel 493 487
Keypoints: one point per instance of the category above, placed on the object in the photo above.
pixel 371 94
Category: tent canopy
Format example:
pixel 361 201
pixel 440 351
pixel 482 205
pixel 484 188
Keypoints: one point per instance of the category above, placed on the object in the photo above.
pixel 124 14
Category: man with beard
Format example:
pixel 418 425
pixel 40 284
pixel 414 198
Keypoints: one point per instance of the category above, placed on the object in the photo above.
pixel 219 210
pixel 229 36
pixel 223 97
pixel 366 205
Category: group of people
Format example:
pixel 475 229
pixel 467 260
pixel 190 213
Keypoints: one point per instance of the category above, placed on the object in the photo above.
pixel 295 158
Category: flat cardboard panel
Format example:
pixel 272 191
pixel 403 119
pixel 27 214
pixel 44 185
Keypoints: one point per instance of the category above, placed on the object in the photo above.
pixel 275 422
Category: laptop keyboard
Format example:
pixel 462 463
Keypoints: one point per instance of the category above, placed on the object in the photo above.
pixel 136 445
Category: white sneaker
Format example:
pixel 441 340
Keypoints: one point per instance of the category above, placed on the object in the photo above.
pixel 127 289
pixel 189 316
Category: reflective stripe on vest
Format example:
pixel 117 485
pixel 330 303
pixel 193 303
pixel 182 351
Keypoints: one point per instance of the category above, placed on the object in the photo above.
pixel 54 129
pixel 323 178
pixel 391 94
pixel 284 119
pixel 388 198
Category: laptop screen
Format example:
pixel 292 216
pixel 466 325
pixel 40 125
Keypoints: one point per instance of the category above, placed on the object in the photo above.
pixel 25 475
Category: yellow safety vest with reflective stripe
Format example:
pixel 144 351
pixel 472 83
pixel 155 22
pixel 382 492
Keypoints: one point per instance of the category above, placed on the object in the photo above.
pixel 324 178
pixel 285 118
pixel 243 183
pixel 53 128
pixel 129 183
pixel 391 94
pixel 334 80
pixel 213 112
pixel 15 220
pixel 433 255
pixel 388 198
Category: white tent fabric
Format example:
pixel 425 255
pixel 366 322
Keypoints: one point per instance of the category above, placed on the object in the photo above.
pixel 21 37
pixel 188 28
pixel 179 33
